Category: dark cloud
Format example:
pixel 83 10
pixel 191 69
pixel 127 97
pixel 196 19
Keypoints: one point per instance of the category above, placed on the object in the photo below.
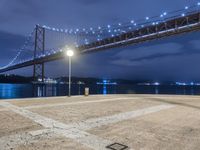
pixel 8 44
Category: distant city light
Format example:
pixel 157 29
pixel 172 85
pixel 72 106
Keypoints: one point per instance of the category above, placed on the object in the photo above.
pixel 106 82
pixel 156 83
pixel 187 84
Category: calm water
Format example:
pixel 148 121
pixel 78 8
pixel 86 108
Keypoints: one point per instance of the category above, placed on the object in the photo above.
pixel 8 91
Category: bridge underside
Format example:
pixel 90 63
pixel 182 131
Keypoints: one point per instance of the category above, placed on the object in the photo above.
pixel 172 27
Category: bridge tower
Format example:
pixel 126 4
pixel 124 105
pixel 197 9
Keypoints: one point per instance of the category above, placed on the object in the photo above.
pixel 39 47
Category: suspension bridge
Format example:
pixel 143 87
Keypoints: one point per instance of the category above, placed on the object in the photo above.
pixel 46 44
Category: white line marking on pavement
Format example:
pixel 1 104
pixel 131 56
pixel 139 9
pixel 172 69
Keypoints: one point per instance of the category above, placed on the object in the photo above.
pixel 97 122
pixel 74 131
pixel 84 138
pixel 41 132
pixel 12 141
pixel 77 103
pixel 53 97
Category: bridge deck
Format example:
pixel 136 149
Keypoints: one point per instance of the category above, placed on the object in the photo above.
pixel 84 123
pixel 170 27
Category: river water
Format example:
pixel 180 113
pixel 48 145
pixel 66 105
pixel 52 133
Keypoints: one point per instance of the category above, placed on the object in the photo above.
pixel 9 91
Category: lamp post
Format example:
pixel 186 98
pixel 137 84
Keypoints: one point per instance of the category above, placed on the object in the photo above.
pixel 69 53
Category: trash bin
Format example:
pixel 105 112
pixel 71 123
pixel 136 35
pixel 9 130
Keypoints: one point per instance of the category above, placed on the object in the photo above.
pixel 86 91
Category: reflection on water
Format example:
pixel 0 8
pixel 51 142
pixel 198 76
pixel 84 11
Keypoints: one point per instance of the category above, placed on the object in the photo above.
pixel 156 90
pixel 104 90
pixel 15 90
pixel 8 91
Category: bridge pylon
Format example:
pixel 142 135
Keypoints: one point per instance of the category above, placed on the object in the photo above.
pixel 39 47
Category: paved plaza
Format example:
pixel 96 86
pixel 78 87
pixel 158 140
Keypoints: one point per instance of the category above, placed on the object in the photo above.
pixel 129 122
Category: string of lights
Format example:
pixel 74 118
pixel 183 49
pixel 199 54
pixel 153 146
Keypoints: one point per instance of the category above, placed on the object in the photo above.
pixel 124 27
pixel 87 35
pixel 20 50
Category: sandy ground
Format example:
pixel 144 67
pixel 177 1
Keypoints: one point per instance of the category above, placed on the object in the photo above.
pixel 53 143
pixel 12 123
pixel 76 113
pixel 54 100
pixel 177 128
pixel 142 122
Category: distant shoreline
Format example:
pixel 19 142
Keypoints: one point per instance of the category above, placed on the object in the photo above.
pixel 16 79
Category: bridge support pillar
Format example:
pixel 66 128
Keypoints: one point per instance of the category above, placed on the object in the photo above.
pixel 38 68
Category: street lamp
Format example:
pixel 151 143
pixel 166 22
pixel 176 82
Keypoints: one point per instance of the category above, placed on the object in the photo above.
pixel 69 53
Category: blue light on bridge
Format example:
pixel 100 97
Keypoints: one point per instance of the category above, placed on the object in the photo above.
pixel 165 13
pixel 104 30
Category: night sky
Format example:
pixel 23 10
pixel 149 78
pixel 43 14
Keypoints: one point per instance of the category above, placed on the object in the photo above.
pixel 170 59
